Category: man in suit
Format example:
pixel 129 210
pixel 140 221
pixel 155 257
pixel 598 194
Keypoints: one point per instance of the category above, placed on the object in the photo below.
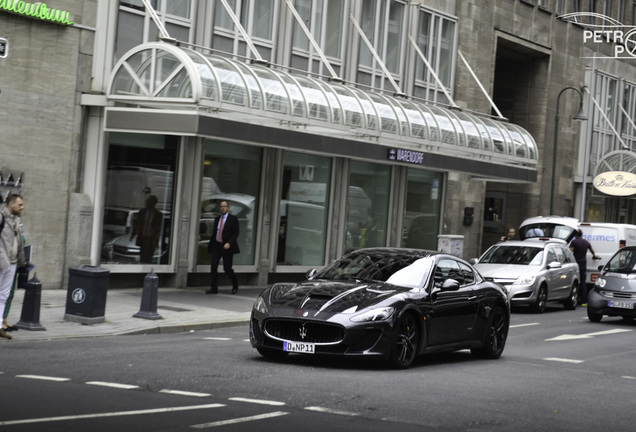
pixel 147 229
pixel 223 244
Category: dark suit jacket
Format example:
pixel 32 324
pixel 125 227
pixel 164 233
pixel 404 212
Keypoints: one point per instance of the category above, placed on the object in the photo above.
pixel 230 233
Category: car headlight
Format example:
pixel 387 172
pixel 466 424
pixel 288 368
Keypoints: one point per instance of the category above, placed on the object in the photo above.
pixel 378 314
pixel 260 305
pixel 600 282
pixel 525 280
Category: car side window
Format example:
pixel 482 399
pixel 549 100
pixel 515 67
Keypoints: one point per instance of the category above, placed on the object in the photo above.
pixel 447 269
pixel 560 255
pixel 467 273
pixel 552 257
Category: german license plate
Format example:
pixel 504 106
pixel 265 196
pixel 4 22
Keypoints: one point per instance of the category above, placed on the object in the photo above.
pixel 620 304
pixel 299 347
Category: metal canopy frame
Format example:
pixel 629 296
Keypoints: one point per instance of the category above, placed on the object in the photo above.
pixel 165 76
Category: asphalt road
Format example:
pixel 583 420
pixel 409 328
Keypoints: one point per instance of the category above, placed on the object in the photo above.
pixel 559 372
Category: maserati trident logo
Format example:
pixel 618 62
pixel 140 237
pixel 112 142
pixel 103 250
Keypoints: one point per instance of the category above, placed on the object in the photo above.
pixel 303 332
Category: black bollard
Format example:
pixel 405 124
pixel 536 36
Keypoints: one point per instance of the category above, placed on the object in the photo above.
pixel 148 309
pixel 30 317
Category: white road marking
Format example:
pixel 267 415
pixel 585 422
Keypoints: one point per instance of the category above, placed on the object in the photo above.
pixel 330 411
pixel 113 385
pixel 110 414
pixel 240 420
pixel 218 338
pixel 524 325
pixel 257 401
pixel 41 377
pixel 628 377
pixel 184 393
pixel 563 360
pixel 587 335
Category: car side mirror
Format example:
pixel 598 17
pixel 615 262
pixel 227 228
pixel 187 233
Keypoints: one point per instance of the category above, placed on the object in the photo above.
pixel 450 285
pixel 473 261
pixel 600 267
pixel 311 273
pixel 554 265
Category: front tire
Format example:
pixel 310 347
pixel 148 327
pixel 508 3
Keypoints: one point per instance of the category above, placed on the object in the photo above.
pixel 542 300
pixel 496 336
pixel 406 341
pixel 572 301
pixel 594 317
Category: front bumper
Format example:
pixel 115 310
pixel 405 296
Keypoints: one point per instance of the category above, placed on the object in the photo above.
pixel 610 303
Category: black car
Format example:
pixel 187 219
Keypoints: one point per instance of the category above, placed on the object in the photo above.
pixel 386 304
pixel 614 293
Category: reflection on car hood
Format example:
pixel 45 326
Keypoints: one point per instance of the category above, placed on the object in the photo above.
pixel 505 271
pixel 330 296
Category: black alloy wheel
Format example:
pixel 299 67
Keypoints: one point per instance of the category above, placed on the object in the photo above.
pixel 405 343
pixel 496 336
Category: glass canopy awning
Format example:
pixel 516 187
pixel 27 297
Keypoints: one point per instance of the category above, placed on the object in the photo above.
pixel 160 75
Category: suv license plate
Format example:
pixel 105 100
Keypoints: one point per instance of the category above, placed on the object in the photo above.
pixel 620 304
pixel 299 347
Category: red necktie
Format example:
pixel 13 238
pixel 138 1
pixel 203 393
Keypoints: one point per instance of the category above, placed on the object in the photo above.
pixel 218 235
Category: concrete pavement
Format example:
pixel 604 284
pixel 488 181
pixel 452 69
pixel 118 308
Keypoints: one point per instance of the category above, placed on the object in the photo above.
pixel 180 310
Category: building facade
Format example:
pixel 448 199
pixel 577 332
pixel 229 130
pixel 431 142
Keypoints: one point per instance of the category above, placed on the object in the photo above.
pixel 327 125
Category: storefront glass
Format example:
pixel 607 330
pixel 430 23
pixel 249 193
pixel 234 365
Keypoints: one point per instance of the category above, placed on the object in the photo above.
pixel 303 210
pixel 137 226
pixel 367 205
pixel 232 173
pixel 423 205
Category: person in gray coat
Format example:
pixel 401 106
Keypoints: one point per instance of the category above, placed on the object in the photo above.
pixel 11 249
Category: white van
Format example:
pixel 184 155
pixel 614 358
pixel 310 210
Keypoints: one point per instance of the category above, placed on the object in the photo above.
pixel 605 238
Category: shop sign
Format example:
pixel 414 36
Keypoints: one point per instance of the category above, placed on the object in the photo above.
pixel 616 183
pixel 4 48
pixel 38 11
pixel 407 156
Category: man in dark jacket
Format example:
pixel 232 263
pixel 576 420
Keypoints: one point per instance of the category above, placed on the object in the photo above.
pixel 223 244
pixel 579 247
pixel 147 229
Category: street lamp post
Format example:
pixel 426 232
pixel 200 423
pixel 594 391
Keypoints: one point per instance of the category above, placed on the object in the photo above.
pixel 579 116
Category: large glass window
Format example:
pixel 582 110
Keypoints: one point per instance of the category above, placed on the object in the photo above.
pixel 603 139
pixel 304 202
pixel 436 40
pixel 382 22
pixel 258 20
pixel 135 27
pixel 325 21
pixel 423 205
pixel 628 116
pixel 232 173
pixel 137 226
pixel 367 205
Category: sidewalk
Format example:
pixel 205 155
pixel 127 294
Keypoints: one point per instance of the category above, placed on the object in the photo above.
pixel 181 310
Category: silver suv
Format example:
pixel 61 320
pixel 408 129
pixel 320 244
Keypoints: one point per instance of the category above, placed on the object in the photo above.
pixel 533 271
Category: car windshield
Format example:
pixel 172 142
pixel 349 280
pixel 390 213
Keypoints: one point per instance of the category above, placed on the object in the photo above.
pixel 367 265
pixel 623 262
pixel 520 255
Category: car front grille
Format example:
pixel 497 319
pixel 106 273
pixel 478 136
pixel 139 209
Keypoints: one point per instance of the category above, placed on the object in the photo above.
pixel 619 295
pixel 304 331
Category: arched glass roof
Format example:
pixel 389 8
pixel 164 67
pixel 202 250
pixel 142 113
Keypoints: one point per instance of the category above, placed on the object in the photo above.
pixel 619 160
pixel 163 75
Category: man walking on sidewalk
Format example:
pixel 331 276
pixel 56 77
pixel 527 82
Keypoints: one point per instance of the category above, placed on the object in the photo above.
pixel 11 249
pixel 223 244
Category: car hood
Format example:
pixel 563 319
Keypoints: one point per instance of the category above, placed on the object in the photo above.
pixel 505 271
pixel 625 282
pixel 331 296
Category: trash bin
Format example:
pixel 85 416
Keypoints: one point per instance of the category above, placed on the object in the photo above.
pixel 86 296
